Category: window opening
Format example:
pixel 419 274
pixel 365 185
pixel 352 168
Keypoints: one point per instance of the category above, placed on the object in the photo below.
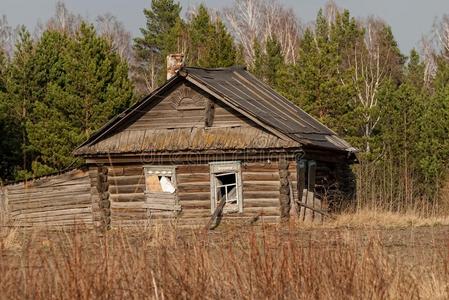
pixel 226 187
pixel 160 182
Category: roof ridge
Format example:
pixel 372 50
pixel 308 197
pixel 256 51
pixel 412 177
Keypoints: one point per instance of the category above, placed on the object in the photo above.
pixel 231 68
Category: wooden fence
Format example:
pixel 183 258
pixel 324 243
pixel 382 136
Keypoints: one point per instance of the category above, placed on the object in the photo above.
pixel 54 200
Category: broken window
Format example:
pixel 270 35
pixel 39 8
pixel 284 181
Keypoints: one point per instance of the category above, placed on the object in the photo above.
pixel 160 188
pixel 159 181
pixel 226 184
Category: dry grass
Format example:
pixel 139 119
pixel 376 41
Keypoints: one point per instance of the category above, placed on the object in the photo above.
pixel 267 262
pixel 367 218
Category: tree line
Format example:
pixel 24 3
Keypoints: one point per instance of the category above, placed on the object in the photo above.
pixel 60 84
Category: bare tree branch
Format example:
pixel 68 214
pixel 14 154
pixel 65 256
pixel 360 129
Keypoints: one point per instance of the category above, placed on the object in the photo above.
pixel 250 20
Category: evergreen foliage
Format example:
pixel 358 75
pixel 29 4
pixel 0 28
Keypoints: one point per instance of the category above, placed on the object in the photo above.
pixel 60 90
pixel 159 36
pixel 210 45
pixel 56 90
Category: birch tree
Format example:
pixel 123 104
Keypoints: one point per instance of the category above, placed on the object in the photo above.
pixel 109 27
pixel 7 36
pixel 376 59
pixel 63 21
pixel 250 20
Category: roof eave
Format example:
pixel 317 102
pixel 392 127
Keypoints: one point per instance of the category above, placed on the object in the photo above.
pixel 115 121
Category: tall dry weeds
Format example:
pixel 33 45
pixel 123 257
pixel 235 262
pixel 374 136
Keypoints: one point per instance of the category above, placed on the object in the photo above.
pixel 250 263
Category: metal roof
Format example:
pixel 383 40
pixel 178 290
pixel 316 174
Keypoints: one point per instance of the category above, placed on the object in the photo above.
pixel 256 98
pixel 242 91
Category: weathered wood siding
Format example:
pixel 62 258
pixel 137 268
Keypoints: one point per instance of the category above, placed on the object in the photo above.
pixel 170 125
pixel 173 112
pixel 334 186
pixel 127 186
pixel 261 190
pixel 55 200
pixel 3 205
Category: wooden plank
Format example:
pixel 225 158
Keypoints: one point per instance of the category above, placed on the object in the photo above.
pixel 193 178
pixel 50 204
pixel 260 194
pixel 214 219
pixel 127 180
pixel 45 190
pixel 127 197
pixel 311 177
pixel 52 196
pixel 160 197
pixel 269 186
pixel 51 214
pixel 132 188
pixel 300 184
pixel 162 206
pixel 260 176
pixel 57 220
pixel 136 204
pixel 193 169
pixel 187 205
pixel 316 210
pixel 271 167
pixel 188 196
pixel 193 188
pixel 260 203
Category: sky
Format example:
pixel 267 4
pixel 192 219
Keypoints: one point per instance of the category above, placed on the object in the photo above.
pixel 409 19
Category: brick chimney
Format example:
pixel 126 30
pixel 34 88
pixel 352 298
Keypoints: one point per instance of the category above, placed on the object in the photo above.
pixel 174 63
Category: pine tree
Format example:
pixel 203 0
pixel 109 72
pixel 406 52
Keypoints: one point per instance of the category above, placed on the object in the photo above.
pixel 400 134
pixel 20 95
pixel 9 128
pixel 320 74
pixel 258 60
pixel 433 146
pixel 200 30
pixel 221 52
pixel 274 60
pixel 84 83
pixel 210 45
pixel 160 36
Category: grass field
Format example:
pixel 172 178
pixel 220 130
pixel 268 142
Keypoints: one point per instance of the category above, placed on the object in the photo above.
pixel 407 260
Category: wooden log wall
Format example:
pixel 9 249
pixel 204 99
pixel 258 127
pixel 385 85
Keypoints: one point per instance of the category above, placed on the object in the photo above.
pixel 101 199
pixel 127 186
pixel 55 200
pixel 3 205
pixel 260 193
pixel 284 189
pixel 114 195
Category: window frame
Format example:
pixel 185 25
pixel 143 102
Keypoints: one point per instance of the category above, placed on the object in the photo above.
pixel 216 168
pixel 160 170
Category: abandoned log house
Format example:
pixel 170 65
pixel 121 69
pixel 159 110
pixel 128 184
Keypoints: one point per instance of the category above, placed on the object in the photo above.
pixel 215 140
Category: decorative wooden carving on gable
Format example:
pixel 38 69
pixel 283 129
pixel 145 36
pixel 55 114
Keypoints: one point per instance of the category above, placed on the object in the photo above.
pixel 185 98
